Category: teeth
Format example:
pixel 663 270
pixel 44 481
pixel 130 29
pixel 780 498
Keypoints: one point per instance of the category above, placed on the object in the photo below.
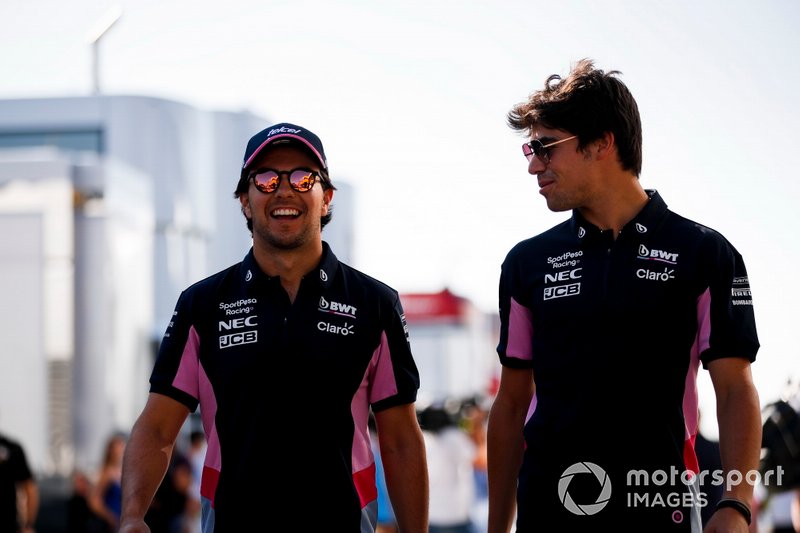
pixel 286 212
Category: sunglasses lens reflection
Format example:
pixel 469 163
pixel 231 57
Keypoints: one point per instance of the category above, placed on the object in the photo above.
pixel 301 180
pixel 268 180
pixel 532 148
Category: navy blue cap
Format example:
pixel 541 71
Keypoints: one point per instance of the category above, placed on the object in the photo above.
pixel 283 132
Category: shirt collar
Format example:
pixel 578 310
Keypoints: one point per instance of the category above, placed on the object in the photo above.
pixel 646 220
pixel 323 273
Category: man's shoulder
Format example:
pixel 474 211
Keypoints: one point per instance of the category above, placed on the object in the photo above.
pixel 687 229
pixel 358 280
pixel 551 240
pixel 214 281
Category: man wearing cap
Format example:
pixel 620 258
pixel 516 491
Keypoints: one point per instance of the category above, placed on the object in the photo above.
pixel 285 353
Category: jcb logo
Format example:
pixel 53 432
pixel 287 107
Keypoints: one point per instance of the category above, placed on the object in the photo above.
pixel 235 339
pixel 560 291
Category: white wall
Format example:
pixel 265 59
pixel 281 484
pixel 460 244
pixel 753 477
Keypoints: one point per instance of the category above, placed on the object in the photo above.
pixel 36 283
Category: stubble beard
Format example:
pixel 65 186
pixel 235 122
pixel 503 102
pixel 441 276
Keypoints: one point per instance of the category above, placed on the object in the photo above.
pixel 284 242
pixel 566 200
pixel 558 203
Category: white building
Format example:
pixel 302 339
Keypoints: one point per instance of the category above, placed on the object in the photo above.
pixel 109 207
pixel 454 346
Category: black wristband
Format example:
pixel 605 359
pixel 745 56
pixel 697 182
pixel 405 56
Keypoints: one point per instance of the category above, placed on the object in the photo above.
pixel 738 505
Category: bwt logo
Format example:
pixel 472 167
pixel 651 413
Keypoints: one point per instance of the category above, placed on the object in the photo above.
pixel 564 275
pixel 336 308
pixel 657 255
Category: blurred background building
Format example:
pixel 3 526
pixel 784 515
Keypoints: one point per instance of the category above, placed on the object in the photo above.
pixel 109 207
pixel 454 346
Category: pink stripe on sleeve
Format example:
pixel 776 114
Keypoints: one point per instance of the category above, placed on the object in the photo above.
pixel 208 412
pixel 690 396
pixel 377 383
pixel 383 381
pixel 192 379
pixel 359 407
pixel 187 379
pixel 520 332
pixel 362 459
pixel 703 321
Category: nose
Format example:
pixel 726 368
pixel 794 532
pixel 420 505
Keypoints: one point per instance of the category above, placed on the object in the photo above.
pixel 284 189
pixel 536 165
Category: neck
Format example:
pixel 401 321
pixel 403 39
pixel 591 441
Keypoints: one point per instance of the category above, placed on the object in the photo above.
pixel 611 211
pixel 289 265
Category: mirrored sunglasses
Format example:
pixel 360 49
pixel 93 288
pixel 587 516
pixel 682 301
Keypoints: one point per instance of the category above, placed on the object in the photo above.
pixel 268 180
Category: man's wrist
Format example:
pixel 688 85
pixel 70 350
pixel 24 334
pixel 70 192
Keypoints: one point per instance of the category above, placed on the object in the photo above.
pixel 737 505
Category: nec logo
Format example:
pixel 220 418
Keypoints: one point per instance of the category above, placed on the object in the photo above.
pixel 561 291
pixel 657 255
pixel 336 308
pixel 564 275
pixel 237 323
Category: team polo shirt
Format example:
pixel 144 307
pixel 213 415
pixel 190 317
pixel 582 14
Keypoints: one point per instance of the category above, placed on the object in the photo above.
pixel 615 331
pixel 285 390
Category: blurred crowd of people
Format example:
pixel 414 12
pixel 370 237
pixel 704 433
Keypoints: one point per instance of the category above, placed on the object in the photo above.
pixel 96 500
pixel 455 440
pixel 455 445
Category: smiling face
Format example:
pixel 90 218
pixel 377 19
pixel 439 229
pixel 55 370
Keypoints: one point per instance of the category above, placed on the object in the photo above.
pixel 286 219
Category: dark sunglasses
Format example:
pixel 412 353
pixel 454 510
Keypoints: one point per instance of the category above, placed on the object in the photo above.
pixel 268 180
pixel 536 148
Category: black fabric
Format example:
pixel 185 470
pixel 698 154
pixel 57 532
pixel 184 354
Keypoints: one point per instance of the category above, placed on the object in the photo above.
pixel 780 441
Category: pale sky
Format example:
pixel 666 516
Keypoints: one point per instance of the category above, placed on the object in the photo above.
pixel 410 98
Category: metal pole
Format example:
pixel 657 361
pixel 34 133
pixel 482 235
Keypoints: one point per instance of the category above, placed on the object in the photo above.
pixel 97 33
pixel 96 67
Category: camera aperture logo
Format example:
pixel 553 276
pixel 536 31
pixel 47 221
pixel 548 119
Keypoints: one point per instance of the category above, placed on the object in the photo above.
pixel 585 508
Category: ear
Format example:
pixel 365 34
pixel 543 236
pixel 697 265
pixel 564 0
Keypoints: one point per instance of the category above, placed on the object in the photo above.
pixel 244 199
pixel 327 197
pixel 606 146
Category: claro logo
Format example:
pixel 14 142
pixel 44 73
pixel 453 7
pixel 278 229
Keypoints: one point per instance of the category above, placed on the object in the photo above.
pixel 344 331
pixel 238 337
pixel 667 275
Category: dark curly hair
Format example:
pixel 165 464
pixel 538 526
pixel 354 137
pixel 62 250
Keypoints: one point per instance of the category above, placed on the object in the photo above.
pixel 587 103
